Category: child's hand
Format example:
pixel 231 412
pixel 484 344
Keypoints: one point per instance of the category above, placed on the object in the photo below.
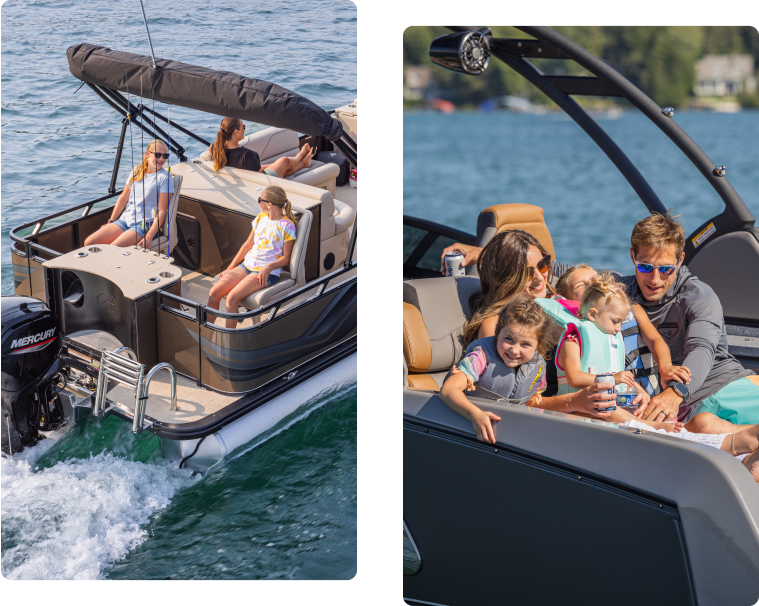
pixel 642 398
pixel 263 275
pixel 482 426
pixel 681 374
pixel 625 377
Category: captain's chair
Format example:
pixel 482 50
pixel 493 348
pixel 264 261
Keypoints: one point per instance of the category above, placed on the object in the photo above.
pixel 434 312
pixel 504 217
pixel 169 233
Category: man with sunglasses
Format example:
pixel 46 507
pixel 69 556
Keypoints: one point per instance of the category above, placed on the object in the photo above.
pixel 688 315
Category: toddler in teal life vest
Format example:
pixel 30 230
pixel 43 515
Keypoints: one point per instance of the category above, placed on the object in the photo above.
pixel 592 342
pixel 509 365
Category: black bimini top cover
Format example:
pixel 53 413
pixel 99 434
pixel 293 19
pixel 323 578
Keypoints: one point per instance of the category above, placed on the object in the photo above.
pixel 207 90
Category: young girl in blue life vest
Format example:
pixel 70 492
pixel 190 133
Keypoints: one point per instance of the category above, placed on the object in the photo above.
pixel 509 365
pixel 647 356
pixel 592 344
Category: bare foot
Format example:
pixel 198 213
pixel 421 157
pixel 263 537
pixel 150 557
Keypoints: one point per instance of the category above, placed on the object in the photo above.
pixel 308 158
pixel 304 151
pixel 676 427
pixel 751 463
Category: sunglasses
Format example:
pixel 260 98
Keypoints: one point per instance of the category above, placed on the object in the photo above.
pixel 542 266
pixel 647 268
pixel 262 200
pixel 157 155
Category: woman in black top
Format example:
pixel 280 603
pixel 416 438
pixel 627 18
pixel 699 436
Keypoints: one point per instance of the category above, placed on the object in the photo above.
pixel 226 151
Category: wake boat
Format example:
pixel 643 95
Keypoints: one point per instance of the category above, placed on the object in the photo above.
pixel 564 508
pixel 125 331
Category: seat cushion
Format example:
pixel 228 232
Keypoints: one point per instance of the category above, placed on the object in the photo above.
pixel 503 217
pixel 267 295
pixel 443 305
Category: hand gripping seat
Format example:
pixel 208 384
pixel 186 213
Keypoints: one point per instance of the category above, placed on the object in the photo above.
pixel 434 312
pixel 504 217
pixel 169 233
pixel 273 143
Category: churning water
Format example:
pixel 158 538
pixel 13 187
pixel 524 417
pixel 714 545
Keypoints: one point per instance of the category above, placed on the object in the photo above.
pixel 94 501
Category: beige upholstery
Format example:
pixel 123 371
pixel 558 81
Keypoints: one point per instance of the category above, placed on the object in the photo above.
pixel 434 312
pixel 170 232
pixel 288 280
pixel 504 217
pixel 336 216
pixel 273 143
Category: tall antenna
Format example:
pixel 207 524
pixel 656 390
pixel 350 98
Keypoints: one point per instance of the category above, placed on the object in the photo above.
pixel 144 18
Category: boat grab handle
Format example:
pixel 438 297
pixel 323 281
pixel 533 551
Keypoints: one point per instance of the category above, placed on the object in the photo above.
pixel 152 372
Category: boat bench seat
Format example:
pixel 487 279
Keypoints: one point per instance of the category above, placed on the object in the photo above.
pixel 273 143
pixel 336 217
pixel 434 312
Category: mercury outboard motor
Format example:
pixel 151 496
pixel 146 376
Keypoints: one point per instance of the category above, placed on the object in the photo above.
pixel 30 364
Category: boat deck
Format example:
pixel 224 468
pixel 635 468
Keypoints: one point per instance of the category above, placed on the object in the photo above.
pixel 193 403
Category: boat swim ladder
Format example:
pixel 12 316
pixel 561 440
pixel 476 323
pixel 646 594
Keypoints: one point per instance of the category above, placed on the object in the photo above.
pixel 131 373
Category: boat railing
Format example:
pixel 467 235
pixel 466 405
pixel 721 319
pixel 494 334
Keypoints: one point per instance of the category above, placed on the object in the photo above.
pixel 271 310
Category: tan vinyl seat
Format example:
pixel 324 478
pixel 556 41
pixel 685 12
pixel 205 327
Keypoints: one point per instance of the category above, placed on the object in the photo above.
pixel 504 217
pixel 434 312
pixel 169 233
pixel 273 143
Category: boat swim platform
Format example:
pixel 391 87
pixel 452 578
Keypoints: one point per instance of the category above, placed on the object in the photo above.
pixel 193 403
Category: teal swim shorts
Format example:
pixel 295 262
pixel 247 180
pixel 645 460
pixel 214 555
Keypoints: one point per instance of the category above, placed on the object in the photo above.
pixel 737 402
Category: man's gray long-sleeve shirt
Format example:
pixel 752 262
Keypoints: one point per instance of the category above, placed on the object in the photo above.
pixel 689 319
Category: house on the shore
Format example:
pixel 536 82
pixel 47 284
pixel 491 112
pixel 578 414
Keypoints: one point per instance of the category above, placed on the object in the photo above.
pixel 416 81
pixel 725 75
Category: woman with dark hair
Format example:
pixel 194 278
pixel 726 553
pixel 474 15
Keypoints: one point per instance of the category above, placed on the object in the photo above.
pixel 512 262
pixel 226 151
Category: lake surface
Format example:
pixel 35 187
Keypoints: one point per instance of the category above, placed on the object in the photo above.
pixel 99 502
pixel 455 165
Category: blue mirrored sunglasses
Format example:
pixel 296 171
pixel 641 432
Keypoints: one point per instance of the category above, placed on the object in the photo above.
pixel 647 268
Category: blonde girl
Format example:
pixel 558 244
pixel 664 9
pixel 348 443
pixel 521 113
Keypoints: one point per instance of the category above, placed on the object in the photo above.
pixel 226 151
pixel 260 260
pixel 143 205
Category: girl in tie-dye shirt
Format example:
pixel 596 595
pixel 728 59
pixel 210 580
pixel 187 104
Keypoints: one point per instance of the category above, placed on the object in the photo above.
pixel 260 260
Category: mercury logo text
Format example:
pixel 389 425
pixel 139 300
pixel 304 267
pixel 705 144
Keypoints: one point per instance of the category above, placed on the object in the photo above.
pixel 40 336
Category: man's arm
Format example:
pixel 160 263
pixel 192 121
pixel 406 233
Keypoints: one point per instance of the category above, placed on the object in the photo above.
pixel 703 331
pixel 704 317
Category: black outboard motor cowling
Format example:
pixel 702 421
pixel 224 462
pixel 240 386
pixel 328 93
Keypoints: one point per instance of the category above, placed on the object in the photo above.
pixel 30 359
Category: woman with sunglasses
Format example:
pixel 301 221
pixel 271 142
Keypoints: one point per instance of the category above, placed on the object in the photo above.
pixel 143 205
pixel 512 262
pixel 226 151
pixel 260 260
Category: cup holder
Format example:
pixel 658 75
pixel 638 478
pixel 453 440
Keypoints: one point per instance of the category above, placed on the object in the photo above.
pixel 153 280
pixel 95 249
pixel 79 255
pixel 166 274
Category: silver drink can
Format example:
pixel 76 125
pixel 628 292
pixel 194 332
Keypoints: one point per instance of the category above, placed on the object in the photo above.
pixel 452 263
pixel 606 378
